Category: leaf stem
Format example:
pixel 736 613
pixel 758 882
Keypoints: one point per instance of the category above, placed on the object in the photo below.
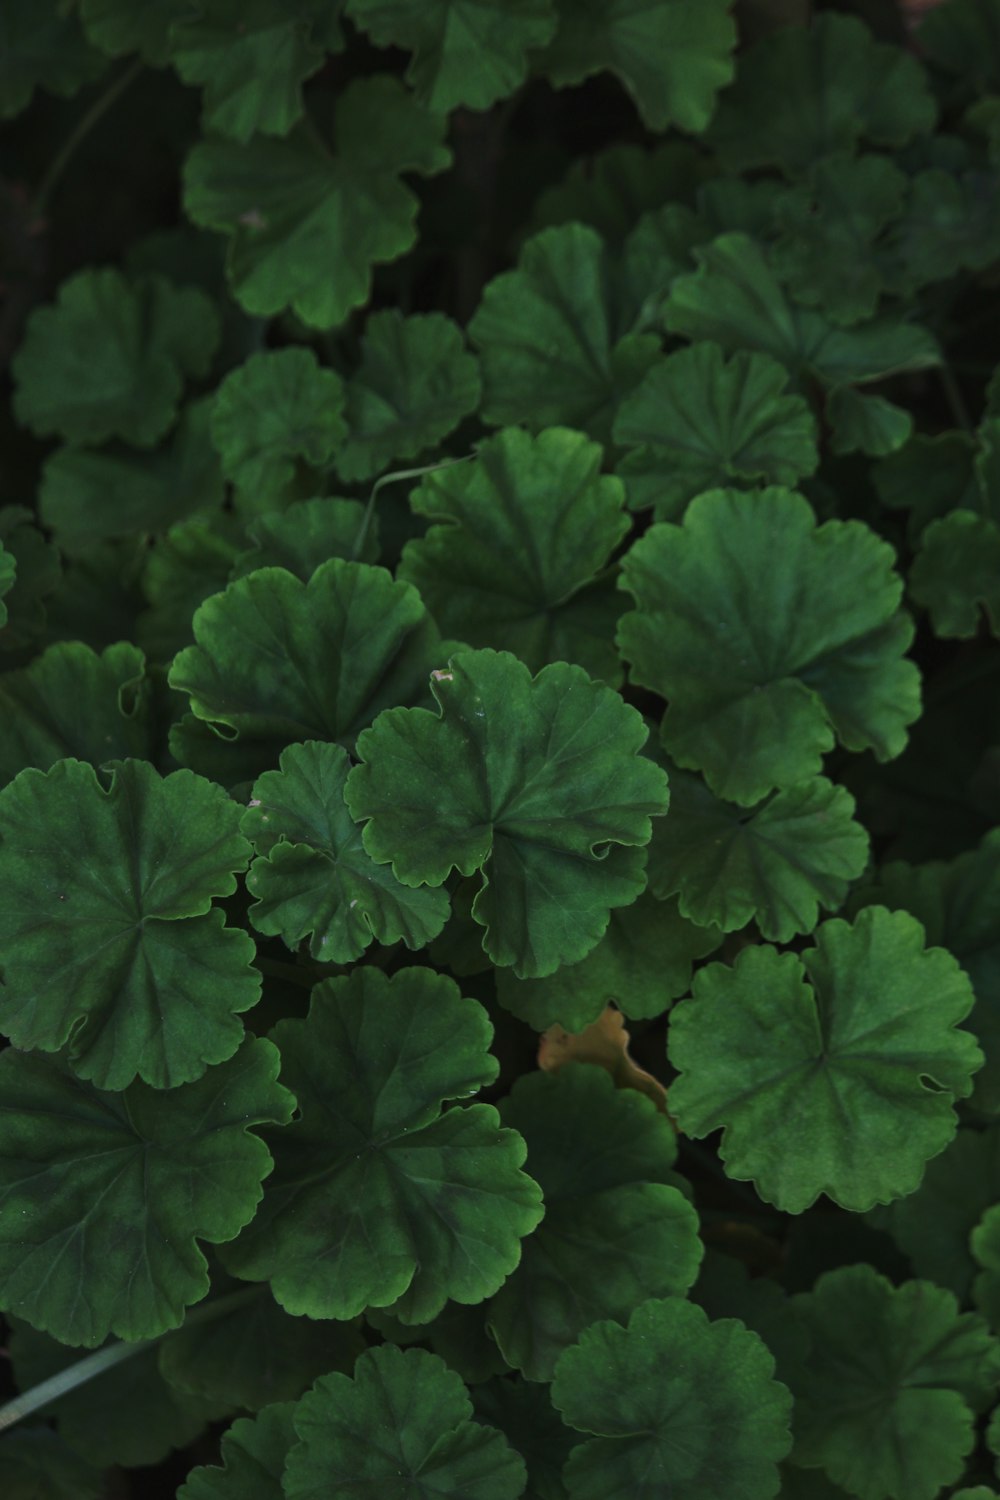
pixel 445 463
pixel 81 130
pixel 955 399
pixel 112 1354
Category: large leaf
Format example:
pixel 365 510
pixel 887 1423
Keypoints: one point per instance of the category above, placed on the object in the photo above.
pixel 521 534
pixel 111 946
pixel 279 660
pixel 768 654
pixel 377 1196
pixel 292 208
pixel 313 878
pixel 254 1452
pixel 683 1407
pixel 111 1192
pixel 617 1228
pixel 536 782
pixel 834 1071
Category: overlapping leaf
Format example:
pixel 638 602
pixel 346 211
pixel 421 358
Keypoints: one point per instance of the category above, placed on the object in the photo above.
pixel 313 878
pixel 956 574
pixel 42 45
pixel 111 946
pixel 116 1201
pixel 119 26
pixel 536 782
pixel 305 535
pixel 378 1197
pixel 254 1452
pixel 834 1071
pixel 522 534
pixel 292 208
pixel 768 655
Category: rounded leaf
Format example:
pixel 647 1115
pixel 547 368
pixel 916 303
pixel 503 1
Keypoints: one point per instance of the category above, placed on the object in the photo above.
pixel 254 1451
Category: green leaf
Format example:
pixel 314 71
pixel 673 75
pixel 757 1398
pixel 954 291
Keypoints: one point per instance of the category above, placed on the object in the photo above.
pixel 414 384
pixel 735 298
pixel 776 864
pixel 951 222
pixel 39 1465
pixel 277 406
pixel 616 1229
pixel 120 26
pixel 470 52
pixel 436 1448
pixel 928 477
pixel 254 1451
pixel 806 91
pixel 377 1196
pixel 698 422
pixel 312 877
pixel 252 59
pixel 612 189
pixel 110 942
pixel 190 562
pixel 832 1071
pixel 8 577
pixel 556 338
pixel 293 208
pixel 956 574
pixel 279 660
pixel 768 656
pixel 87 496
pixel 985 1246
pixel 304 536
pixel 30 572
pixel 962 39
pixel 682 1407
pixel 111 1191
pixel 958 905
pixel 885 1403
pixel 523 531
pixel 532 1426
pixel 42 46
pixel 643 963
pixel 861 423
pixel 458 1334
pixel 725 1289
pixel 536 782
pixel 73 703
pixel 673 56
pixel 109 357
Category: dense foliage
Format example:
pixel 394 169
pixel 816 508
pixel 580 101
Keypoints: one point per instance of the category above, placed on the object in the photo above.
pixel 500 750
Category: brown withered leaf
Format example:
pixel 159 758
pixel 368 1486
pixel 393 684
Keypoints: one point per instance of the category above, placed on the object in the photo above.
pixel 604 1042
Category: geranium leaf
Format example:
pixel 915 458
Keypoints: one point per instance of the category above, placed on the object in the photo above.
pixel 414 384
pixel 521 534
pixel 886 1401
pixel 698 422
pixel 860 423
pixel 643 963
pixel 682 1407
pixel 277 406
pixel 776 864
pixel 30 573
pixel 834 1071
pixel 305 535
pixel 279 660
pixel 313 878
pixel 39 1465
pixel 765 659
pixel 110 942
pixel 252 59
pixel 378 1197
pixel 956 574
pixel 437 1449
pixel 109 357
pixel 117 1200
pixel 523 1412
pixel 292 208
pixel 534 781
pixel 984 1244
pixel 8 577
pixel 470 52
pixel 616 1230
pixel 254 1451
pixel 806 91
pixel 191 561
pixel 673 56
pixel 119 26
pixel 42 46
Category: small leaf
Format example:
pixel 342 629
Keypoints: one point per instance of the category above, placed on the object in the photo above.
pixel 254 1452
pixel 605 1044
pixel 956 574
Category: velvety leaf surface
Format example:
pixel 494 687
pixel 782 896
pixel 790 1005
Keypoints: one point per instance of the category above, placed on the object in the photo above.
pixel 376 1193
pixel 617 1228
pixel 402 1427
pixel 313 878
pixel 307 534
pixel 254 1451
pixel 768 656
pixel 279 660
pixel 469 52
pixel 673 56
pixel 292 208
pixel 777 863
pixel 111 946
pixel 99 1223
pixel 520 536
pixel 189 563
pixel 956 574
pixel 525 1415
pixel 109 357
pixel 984 1244
pixel 682 1407
pixel 885 1403
pixel 42 46
pixel 414 384
pixel 536 782
pixel 834 1071
pixel 699 422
